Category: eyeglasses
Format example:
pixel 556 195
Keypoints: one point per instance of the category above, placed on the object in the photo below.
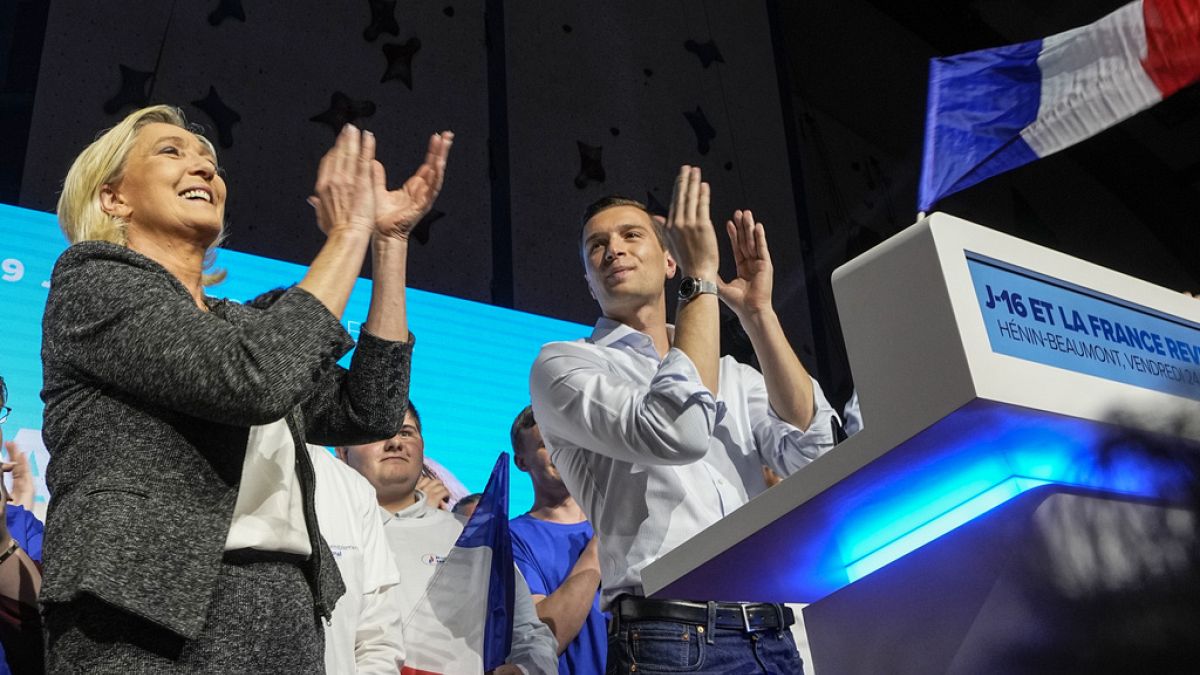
pixel 4 410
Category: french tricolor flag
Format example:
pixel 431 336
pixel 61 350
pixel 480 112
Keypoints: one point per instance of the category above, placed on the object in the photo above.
pixel 471 595
pixel 995 109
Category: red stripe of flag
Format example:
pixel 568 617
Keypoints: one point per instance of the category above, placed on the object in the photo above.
pixel 1173 43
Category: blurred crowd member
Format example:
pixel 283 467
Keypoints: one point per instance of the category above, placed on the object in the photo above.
pixel 19 517
pixel 435 490
pixel 852 415
pixel 1111 584
pixel 20 570
pixel 437 471
pixel 23 492
pixel 421 535
pixel 658 437
pixel 770 477
pixel 181 534
pixel 466 506
pixel 554 548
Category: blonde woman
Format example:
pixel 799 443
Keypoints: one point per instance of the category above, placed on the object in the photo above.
pixel 180 535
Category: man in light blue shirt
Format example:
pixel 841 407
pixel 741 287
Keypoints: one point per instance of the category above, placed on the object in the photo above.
pixel 658 437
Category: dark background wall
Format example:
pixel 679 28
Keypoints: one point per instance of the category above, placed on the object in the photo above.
pixel 811 113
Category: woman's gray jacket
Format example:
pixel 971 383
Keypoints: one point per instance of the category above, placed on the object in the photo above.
pixel 148 405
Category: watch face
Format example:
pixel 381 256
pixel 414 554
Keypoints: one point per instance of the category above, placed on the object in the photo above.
pixel 687 287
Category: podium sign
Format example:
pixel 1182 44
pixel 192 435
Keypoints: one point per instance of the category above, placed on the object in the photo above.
pixel 1039 318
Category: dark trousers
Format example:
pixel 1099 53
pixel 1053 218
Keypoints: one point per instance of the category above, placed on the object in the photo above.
pixel 655 646
pixel 261 620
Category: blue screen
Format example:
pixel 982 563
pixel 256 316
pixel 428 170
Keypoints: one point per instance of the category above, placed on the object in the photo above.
pixel 470 373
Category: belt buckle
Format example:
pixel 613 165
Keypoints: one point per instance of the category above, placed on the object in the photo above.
pixel 746 620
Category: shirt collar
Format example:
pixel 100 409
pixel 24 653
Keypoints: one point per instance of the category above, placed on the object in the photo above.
pixel 418 509
pixel 610 333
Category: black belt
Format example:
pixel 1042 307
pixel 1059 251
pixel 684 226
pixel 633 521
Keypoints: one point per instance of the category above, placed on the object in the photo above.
pixel 748 616
pixel 250 556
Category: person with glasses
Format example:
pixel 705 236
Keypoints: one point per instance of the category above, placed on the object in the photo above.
pixel 22 491
pixel 20 573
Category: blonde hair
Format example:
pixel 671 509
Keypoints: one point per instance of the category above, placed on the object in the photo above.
pixel 80 214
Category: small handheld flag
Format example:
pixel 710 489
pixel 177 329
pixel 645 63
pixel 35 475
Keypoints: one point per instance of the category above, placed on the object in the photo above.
pixel 464 622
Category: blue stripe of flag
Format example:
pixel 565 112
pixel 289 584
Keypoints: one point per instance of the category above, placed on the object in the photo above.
pixel 488 527
pixel 978 104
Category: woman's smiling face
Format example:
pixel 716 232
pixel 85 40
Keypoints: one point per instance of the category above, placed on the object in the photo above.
pixel 169 185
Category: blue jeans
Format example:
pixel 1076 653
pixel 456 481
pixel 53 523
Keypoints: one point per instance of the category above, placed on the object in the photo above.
pixel 655 646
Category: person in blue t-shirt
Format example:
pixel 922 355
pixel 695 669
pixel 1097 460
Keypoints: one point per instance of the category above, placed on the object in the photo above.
pixel 554 548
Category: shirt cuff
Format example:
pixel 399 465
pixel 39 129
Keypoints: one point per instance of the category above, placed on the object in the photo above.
pixel 819 437
pixel 679 381
pixel 819 432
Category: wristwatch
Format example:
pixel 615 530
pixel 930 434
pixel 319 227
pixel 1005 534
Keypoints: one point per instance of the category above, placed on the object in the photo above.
pixel 691 287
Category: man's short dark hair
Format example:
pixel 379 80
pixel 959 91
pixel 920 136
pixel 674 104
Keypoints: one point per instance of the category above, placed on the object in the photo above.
pixel 412 408
pixel 524 421
pixel 612 201
pixel 463 503
pixel 3 391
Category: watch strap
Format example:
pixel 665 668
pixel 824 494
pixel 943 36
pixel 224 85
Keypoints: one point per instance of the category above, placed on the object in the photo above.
pixel 695 286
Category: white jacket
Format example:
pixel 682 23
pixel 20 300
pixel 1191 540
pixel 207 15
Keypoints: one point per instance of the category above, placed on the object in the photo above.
pixel 365 634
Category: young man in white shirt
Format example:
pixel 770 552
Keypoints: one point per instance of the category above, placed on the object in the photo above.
pixel 421 535
pixel 657 437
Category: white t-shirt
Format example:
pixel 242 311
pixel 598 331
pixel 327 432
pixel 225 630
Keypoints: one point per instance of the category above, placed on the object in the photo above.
pixel 269 513
pixel 420 537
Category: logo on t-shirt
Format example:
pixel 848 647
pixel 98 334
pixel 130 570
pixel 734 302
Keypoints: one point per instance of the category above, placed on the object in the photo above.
pixel 340 550
pixel 432 559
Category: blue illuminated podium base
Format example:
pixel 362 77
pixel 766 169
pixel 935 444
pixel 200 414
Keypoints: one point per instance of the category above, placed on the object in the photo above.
pixel 1048 582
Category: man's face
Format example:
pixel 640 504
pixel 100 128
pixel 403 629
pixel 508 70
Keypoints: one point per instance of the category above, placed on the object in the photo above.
pixel 392 466
pixel 534 459
pixel 625 264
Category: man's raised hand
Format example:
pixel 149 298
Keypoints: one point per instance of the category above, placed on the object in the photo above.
pixel 749 292
pixel 689 230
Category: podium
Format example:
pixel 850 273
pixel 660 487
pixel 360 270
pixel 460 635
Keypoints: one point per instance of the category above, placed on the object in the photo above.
pixel 991 373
